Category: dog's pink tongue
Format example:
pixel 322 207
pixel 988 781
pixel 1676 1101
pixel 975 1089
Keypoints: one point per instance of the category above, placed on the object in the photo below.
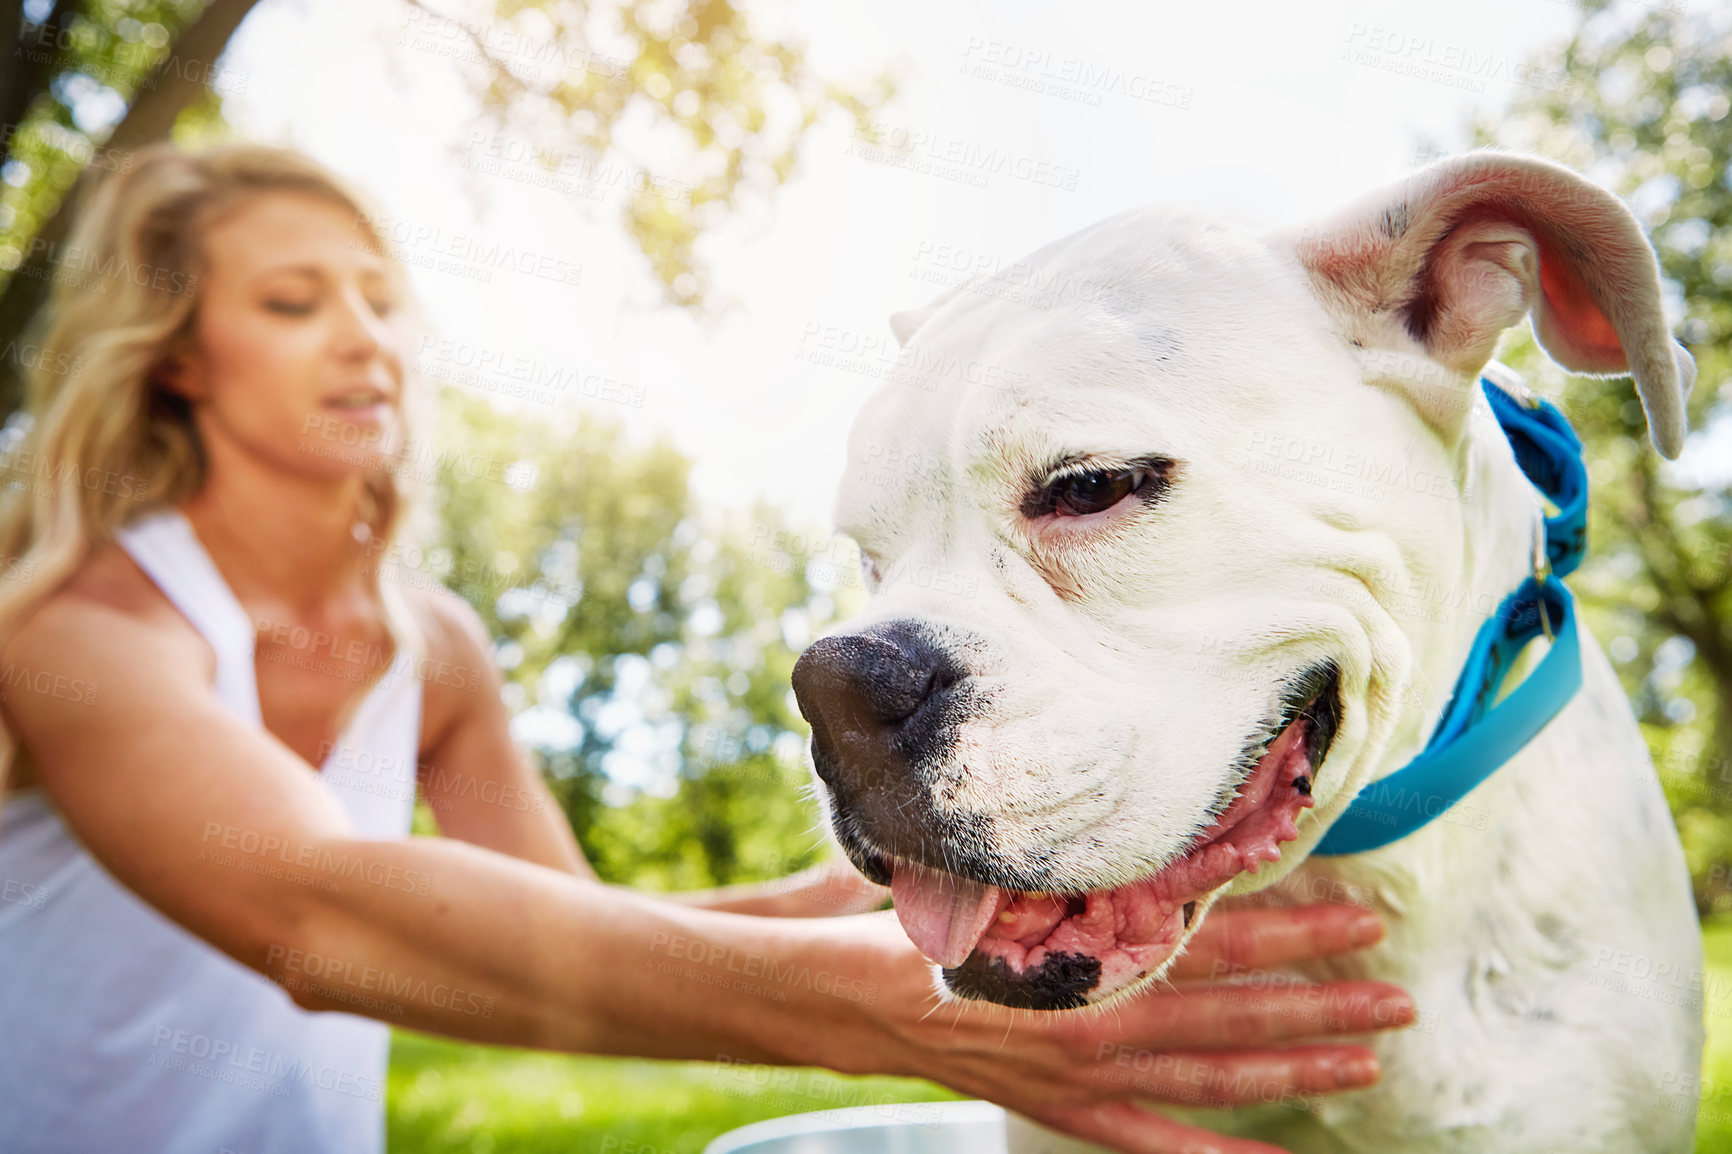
pixel 943 915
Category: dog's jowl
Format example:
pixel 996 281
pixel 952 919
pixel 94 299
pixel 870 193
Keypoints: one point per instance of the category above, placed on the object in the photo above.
pixel 1195 560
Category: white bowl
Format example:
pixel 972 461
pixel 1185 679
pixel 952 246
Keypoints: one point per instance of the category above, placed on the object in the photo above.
pixel 899 1128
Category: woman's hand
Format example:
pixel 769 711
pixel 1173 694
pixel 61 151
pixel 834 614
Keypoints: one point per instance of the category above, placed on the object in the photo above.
pixel 1203 1043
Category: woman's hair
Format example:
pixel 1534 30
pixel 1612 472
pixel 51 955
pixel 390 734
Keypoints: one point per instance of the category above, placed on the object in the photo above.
pixel 100 441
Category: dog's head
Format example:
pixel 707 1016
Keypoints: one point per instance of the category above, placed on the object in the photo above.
pixel 1138 525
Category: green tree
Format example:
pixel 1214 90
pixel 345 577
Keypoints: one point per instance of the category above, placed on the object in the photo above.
pixel 644 638
pixel 1645 112
pixel 729 108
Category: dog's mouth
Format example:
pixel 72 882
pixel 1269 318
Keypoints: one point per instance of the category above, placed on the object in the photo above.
pixel 1059 951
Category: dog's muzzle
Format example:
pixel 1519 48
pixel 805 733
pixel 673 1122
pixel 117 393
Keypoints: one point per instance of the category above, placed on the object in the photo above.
pixel 886 705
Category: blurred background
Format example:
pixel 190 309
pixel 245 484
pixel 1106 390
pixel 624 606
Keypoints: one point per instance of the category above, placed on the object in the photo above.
pixel 656 243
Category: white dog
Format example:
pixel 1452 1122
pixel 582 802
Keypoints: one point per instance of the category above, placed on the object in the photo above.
pixel 1181 539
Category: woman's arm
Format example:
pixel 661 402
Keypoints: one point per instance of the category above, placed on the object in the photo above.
pixel 473 775
pixel 826 890
pixel 483 790
pixel 220 826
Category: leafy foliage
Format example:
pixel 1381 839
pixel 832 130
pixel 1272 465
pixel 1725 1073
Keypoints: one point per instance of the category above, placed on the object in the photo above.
pixel 1646 114
pixel 95 60
pixel 648 650
pixel 696 82
pixel 724 108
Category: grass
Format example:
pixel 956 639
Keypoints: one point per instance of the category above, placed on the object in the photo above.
pixel 1714 1118
pixel 445 1097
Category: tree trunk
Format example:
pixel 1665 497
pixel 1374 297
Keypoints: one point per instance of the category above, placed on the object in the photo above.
pixel 30 66
pixel 175 83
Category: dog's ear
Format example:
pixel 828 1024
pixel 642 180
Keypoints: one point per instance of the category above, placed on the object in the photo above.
pixel 907 322
pixel 1464 248
pixel 910 321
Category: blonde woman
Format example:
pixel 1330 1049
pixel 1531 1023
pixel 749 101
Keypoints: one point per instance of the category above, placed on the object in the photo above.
pixel 218 715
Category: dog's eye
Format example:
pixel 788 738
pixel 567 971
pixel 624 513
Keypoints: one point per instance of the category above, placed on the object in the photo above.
pixel 1095 490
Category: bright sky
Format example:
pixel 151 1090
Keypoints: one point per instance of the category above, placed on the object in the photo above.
pixel 1268 111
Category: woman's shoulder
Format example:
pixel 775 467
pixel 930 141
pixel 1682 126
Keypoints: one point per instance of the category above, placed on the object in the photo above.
pixel 108 614
pixel 458 672
pixel 103 627
pixel 450 624
pixel 108 590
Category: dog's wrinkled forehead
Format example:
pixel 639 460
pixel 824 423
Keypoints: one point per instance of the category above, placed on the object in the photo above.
pixel 1151 330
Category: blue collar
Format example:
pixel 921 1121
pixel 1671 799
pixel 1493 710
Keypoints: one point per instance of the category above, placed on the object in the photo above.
pixel 1474 736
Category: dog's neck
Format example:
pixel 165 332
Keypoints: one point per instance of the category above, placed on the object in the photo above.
pixel 1574 785
pixel 1499 510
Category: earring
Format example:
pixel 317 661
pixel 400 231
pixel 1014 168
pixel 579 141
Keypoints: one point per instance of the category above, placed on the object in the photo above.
pixel 362 529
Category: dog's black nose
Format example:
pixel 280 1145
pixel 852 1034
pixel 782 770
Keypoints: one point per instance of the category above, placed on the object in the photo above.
pixel 882 675
pixel 863 694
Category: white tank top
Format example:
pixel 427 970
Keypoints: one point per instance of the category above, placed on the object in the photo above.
pixel 120 1031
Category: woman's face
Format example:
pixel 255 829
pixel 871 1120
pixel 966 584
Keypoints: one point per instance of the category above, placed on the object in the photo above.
pixel 299 345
